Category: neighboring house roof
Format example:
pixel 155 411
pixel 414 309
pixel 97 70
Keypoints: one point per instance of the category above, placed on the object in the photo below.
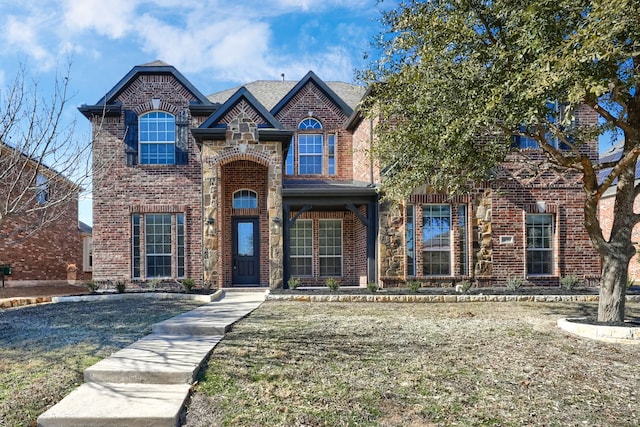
pixel 271 92
pixel 613 154
pixel 43 168
pixel 84 228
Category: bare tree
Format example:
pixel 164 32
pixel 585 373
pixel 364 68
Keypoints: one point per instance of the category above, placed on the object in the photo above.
pixel 43 165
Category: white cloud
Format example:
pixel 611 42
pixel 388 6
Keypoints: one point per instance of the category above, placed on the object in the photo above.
pixel 113 18
pixel 21 35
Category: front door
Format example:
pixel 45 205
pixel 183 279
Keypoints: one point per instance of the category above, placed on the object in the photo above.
pixel 246 251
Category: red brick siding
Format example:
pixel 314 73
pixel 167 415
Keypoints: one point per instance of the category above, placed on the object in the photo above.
pixel 352 248
pixel 45 255
pixel 118 187
pixel 238 175
pixel 310 98
pixel 573 250
pixel 606 222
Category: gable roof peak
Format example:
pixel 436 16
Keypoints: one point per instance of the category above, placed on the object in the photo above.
pixel 156 63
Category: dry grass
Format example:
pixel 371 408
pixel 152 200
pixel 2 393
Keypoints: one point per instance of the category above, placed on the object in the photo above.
pixel 361 364
pixel 45 349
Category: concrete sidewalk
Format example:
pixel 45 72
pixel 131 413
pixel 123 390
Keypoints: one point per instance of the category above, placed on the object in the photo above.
pixel 147 383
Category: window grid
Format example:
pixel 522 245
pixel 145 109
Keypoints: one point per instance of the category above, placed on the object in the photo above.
pixel 539 244
pixel 310 154
pixel 245 199
pixel 463 246
pixel 301 248
pixel 158 245
pixel 410 238
pixel 331 154
pixel 180 246
pixel 436 237
pixel 330 247
pixel 157 136
pixel 289 166
pixel 135 256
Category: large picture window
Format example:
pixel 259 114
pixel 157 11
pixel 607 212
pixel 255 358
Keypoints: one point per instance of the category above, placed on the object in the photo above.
pixel 162 237
pixel 436 240
pixel 330 245
pixel 539 244
pixel 157 138
pixel 301 243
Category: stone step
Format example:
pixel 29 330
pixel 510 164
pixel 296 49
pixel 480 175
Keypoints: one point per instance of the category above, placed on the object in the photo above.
pixel 155 359
pixel 122 405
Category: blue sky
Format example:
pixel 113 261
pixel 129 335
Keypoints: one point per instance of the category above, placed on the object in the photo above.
pixel 216 44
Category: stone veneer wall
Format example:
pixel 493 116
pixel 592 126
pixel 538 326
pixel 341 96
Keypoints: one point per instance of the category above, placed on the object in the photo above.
pixel 482 236
pixel 391 246
pixel 241 144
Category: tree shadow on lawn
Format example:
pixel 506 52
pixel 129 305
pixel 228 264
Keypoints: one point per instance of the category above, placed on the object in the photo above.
pixel 587 310
pixel 101 323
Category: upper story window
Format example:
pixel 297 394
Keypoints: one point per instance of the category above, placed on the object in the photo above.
pixel 157 138
pixel 312 152
pixel 42 189
pixel 245 199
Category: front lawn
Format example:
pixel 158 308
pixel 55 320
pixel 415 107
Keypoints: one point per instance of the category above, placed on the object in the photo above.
pixel 44 349
pixel 367 364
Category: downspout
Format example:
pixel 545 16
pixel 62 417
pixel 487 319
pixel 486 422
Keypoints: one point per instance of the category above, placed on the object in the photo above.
pixel 371 180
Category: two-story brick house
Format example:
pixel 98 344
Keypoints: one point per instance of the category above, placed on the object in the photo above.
pixel 41 240
pixel 271 180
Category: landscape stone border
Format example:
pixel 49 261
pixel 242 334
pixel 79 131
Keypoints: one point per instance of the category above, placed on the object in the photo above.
pixel 609 334
pixel 438 298
pixel 139 295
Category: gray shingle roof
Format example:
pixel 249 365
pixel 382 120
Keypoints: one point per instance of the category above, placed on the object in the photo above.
pixel 270 92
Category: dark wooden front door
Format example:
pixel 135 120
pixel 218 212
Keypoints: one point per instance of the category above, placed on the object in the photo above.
pixel 246 251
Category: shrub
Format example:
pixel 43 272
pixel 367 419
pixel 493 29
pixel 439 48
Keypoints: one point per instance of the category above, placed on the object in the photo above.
pixel 463 286
pixel 294 282
pixel 92 286
pixel 188 284
pixel 414 285
pixel 153 284
pixel 514 283
pixel 120 287
pixel 630 281
pixel 569 282
pixel 332 284
pixel 372 287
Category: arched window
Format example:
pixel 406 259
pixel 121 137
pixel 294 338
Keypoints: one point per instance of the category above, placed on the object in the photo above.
pixel 245 199
pixel 157 138
pixel 308 124
pixel 310 148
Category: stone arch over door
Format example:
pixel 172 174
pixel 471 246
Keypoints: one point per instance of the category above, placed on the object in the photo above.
pixel 228 168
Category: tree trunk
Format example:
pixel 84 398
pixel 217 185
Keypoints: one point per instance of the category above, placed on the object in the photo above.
pixel 613 288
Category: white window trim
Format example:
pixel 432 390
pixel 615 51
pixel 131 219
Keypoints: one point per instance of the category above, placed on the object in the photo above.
pixel 451 242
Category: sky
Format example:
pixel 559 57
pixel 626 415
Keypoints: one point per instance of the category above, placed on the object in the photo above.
pixel 215 44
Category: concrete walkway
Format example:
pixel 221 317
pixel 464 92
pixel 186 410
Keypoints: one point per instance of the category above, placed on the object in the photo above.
pixel 147 383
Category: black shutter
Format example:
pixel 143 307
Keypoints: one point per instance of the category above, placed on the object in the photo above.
pixel 182 137
pixel 131 137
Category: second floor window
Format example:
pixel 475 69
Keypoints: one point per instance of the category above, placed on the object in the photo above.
pixel 312 152
pixel 157 138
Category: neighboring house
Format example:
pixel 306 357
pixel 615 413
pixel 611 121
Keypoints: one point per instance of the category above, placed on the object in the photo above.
pixel 271 180
pixel 47 254
pixel 605 208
